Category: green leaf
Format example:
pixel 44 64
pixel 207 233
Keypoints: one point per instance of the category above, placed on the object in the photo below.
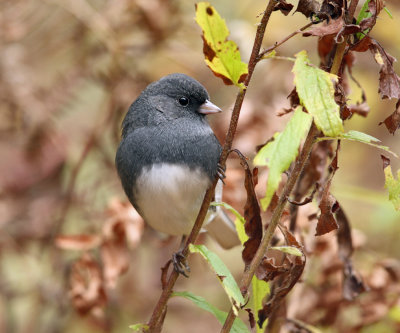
pixel 360 137
pixel 388 12
pixel 269 55
pixel 223 273
pixel 364 12
pixel 316 92
pixel 393 186
pixel 139 327
pixel 288 249
pixel 230 208
pixel 222 56
pixel 260 290
pixel 282 151
pixel 239 221
pixel 238 325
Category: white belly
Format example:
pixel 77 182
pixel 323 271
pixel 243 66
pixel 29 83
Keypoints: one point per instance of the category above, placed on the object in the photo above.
pixel 169 197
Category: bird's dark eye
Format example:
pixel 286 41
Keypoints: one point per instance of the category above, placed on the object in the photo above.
pixel 183 101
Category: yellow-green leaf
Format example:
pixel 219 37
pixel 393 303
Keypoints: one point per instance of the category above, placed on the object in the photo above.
pixel 316 92
pixel 393 186
pixel 238 325
pixel 222 56
pixel 139 327
pixel 279 153
pixel 288 249
pixel 260 289
pixel 360 137
pixel 239 221
pixel 224 275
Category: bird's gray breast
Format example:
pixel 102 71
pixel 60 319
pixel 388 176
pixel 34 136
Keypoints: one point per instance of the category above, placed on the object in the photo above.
pixel 165 171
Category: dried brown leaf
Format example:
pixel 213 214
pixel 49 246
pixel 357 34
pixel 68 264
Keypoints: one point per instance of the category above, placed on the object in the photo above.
pixel 252 321
pixel 115 255
pixel 330 28
pixel 353 284
pixel 328 205
pixel 362 109
pixel 284 7
pixel 389 81
pixel 268 271
pixel 294 98
pixel 331 9
pixel 253 225
pixel 326 50
pixel 315 169
pixel 363 45
pixel 374 7
pixel 333 167
pixel 308 7
pixel 123 212
pixel 86 289
pixel 344 238
pixel 392 122
pixel 292 272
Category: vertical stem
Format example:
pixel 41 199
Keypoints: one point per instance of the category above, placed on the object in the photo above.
pixel 299 165
pixel 155 322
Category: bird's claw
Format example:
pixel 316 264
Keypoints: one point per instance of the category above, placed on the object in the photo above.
pixel 180 264
pixel 221 173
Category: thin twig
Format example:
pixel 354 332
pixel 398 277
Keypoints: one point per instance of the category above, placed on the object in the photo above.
pixel 89 145
pixel 277 44
pixel 307 200
pixel 155 321
pixel 294 175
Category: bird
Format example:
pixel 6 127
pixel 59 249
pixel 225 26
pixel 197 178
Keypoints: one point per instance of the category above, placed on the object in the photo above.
pixel 168 157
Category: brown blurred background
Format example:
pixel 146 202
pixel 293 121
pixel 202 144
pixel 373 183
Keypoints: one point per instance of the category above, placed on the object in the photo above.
pixel 69 71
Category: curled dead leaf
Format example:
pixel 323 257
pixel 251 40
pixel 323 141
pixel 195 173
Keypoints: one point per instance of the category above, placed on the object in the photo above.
pixel 124 213
pixel 308 7
pixel 284 7
pixel 289 273
pixel 253 225
pixel 328 205
pixel 392 122
pixel 389 81
pixel 114 256
pixel 86 289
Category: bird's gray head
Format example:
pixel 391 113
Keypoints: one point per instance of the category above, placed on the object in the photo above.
pixel 173 96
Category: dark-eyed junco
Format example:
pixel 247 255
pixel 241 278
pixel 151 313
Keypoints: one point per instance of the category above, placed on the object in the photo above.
pixel 168 157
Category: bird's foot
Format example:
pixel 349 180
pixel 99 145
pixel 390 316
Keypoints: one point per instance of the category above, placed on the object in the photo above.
pixel 180 264
pixel 221 173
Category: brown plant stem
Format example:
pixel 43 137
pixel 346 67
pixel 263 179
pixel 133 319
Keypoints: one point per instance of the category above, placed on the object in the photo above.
pixel 155 322
pixel 249 272
pixel 91 142
pixel 291 182
pixel 284 40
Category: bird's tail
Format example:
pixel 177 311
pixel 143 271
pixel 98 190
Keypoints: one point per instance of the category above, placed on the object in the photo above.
pixel 222 229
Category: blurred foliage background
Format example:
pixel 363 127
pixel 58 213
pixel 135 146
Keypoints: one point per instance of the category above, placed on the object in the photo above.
pixel 69 71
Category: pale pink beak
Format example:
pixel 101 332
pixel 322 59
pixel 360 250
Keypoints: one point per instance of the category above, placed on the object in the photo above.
pixel 208 108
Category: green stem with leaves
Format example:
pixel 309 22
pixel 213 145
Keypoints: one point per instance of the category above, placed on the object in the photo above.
pixel 291 182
